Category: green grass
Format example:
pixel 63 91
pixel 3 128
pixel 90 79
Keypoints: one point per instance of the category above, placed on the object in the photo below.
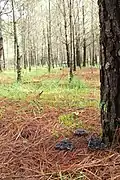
pixel 56 91
pixel 68 176
pixel 70 120
pixel 26 75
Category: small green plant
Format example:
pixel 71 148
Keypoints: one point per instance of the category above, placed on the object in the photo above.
pixel 103 105
pixel 1 113
pixel 55 133
pixel 81 176
pixel 77 84
pixel 70 120
pixel 67 119
pixel 68 176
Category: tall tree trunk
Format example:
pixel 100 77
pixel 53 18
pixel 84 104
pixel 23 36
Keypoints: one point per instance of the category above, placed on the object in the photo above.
pixel 24 50
pixel 90 56
pixel 78 58
pixel 96 59
pixel 49 38
pixel 16 47
pixel 42 49
pixel 74 50
pixel 77 29
pixel 84 39
pixel 18 65
pixel 29 40
pixel 92 34
pixel 4 60
pixel 25 60
pixel 15 35
pixel 71 48
pixel 45 46
pixel 30 59
pixel 109 12
pixel 1 42
pixel 66 35
pixel 34 52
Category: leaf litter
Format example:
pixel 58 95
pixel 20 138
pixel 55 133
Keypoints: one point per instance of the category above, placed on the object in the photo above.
pixel 27 146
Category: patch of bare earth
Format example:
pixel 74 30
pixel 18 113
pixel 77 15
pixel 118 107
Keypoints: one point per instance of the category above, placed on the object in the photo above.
pixel 61 75
pixel 27 145
pixel 91 76
pixel 6 80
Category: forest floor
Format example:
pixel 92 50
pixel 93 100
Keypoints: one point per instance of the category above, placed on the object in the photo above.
pixel 43 110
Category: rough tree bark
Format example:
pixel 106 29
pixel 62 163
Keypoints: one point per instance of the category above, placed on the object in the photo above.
pixel 30 59
pixel 92 35
pixel 16 47
pixel 18 65
pixel 1 42
pixel 66 35
pixel 15 35
pixel 71 39
pixel 84 39
pixel 49 38
pixel 90 56
pixel 109 12
pixel 24 54
pixel 78 58
pixel 74 50
pixel 77 37
pixel 4 60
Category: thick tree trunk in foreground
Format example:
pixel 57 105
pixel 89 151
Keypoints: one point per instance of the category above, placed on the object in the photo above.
pixel 1 42
pixel 109 12
pixel 1 51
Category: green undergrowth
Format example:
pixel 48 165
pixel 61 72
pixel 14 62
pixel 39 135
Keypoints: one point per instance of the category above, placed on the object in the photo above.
pixel 56 91
pixel 78 176
pixel 26 74
pixel 70 120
